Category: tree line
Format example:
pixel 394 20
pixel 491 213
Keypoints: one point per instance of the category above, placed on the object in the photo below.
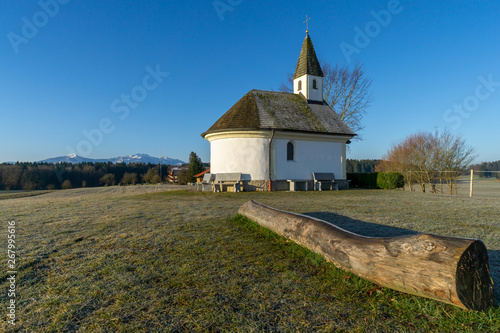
pixel 47 176
pixel 486 169
pixel 361 166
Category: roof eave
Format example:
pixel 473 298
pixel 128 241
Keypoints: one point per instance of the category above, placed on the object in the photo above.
pixel 314 132
pixel 204 134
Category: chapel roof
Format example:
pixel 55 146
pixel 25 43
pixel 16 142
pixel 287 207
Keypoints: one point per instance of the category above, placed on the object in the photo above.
pixel 308 62
pixel 266 110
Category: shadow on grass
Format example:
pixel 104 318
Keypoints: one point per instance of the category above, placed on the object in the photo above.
pixel 360 227
pixel 378 230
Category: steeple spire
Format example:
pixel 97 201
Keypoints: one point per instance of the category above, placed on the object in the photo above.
pixel 308 62
pixel 308 76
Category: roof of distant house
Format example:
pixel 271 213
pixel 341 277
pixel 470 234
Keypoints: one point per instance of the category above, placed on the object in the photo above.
pixel 202 173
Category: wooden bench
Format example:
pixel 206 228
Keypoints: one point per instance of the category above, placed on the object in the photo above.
pixel 206 183
pixel 227 179
pixel 423 265
pixel 293 184
pixel 321 178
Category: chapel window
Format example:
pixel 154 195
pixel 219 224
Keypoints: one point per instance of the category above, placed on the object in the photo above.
pixel 289 151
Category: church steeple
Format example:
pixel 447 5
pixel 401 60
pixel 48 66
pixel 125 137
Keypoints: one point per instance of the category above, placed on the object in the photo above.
pixel 308 62
pixel 308 77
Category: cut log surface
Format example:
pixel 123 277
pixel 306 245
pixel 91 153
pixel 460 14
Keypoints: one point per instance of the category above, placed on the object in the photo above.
pixel 447 269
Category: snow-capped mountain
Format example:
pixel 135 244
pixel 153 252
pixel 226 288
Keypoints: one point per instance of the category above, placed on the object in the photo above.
pixel 145 158
pixel 136 158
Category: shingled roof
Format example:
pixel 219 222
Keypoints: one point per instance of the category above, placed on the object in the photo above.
pixel 308 62
pixel 260 110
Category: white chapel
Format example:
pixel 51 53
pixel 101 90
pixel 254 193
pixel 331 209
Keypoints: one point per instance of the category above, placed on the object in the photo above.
pixel 271 137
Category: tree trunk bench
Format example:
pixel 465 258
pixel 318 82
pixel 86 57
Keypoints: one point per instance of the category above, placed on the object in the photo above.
pixel 448 269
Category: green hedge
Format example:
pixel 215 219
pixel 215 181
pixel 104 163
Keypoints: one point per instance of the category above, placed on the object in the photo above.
pixel 363 180
pixel 386 180
pixel 390 180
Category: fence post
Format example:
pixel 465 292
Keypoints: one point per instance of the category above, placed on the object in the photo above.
pixel 471 180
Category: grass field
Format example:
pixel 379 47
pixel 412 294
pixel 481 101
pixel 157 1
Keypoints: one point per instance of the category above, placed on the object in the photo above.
pixel 482 187
pixel 159 258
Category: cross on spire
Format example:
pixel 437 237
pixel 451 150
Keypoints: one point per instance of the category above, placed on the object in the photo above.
pixel 307 24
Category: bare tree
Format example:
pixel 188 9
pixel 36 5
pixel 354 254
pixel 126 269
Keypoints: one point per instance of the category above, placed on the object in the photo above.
pixel 287 86
pixel 108 179
pixel 455 156
pixel 427 158
pixel 422 151
pixel 402 157
pixel 346 91
pixel 129 178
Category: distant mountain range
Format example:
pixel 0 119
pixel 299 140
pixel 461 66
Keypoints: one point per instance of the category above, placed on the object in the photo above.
pixel 136 158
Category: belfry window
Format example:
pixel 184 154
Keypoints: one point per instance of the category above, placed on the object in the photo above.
pixel 300 85
pixel 314 84
pixel 289 151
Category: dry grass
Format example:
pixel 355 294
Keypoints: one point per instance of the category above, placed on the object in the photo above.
pixel 146 258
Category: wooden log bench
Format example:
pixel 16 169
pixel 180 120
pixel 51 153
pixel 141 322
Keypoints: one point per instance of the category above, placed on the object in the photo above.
pixel 321 178
pixel 227 179
pixel 447 269
pixel 293 184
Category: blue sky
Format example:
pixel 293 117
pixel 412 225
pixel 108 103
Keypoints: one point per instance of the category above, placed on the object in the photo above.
pixel 111 78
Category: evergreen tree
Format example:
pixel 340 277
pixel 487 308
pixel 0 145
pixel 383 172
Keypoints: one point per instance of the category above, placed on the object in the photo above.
pixel 361 166
pixel 195 167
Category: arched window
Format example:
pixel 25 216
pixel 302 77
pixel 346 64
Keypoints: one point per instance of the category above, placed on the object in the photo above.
pixel 289 151
pixel 314 84
pixel 300 85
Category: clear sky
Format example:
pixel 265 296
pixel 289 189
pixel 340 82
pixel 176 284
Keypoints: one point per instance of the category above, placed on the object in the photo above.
pixel 111 78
